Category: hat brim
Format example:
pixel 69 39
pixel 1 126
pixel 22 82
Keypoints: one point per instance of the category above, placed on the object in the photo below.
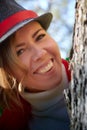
pixel 44 20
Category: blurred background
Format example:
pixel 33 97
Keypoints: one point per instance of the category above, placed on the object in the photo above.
pixel 61 28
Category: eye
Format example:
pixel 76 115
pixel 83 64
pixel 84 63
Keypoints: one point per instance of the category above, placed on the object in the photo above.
pixel 19 52
pixel 39 37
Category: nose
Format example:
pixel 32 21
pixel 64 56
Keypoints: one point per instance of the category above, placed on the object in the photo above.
pixel 39 53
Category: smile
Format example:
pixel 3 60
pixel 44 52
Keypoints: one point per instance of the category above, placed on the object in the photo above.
pixel 45 68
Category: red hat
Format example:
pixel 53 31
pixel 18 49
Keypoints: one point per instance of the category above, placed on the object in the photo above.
pixel 13 17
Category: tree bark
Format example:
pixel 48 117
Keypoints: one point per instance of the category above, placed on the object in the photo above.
pixel 76 96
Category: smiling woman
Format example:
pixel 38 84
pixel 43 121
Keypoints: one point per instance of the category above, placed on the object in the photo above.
pixel 43 60
pixel 33 73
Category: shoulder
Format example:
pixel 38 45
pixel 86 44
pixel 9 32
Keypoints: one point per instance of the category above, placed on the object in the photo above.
pixel 15 118
pixel 68 72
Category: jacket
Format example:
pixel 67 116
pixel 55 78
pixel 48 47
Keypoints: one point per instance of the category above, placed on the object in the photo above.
pixel 16 118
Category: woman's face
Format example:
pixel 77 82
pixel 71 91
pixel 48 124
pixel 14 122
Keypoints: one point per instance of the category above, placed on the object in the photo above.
pixel 40 54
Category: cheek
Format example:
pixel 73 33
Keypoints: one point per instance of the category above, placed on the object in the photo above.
pixel 25 59
pixel 18 74
pixel 53 48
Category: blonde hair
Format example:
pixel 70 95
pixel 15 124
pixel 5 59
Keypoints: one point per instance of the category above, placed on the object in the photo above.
pixel 8 84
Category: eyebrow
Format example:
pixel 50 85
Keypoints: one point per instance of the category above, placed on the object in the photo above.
pixel 32 37
pixel 36 32
pixel 21 44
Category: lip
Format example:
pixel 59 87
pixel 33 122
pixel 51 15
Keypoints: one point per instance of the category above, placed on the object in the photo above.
pixel 45 67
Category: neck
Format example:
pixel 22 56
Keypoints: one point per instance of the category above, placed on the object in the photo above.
pixel 43 100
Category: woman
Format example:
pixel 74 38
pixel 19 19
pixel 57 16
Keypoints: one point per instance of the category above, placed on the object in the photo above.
pixel 31 69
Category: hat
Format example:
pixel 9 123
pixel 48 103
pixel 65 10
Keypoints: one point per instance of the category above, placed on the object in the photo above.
pixel 13 17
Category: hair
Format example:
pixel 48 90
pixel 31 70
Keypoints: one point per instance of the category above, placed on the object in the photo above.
pixel 8 84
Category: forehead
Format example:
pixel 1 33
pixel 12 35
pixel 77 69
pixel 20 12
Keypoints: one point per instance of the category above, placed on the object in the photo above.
pixel 30 27
pixel 27 30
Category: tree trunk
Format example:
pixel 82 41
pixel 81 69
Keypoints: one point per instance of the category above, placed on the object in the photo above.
pixel 76 96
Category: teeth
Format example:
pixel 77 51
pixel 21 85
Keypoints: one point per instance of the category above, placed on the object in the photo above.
pixel 46 68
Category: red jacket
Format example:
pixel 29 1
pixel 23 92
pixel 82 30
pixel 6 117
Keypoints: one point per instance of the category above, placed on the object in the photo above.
pixel 16 119
pixel 66 64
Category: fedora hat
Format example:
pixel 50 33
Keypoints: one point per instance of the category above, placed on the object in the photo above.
pixel 13 17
